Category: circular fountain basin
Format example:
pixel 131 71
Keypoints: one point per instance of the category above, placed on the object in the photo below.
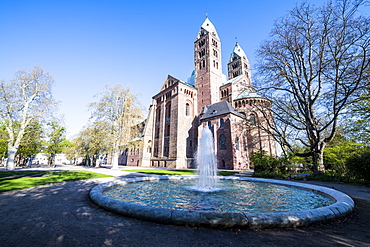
pixel 340 206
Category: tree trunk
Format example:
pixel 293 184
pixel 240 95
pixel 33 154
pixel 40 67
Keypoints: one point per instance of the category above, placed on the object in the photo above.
pixel 115 160
pixel 10 165
pixel 97 161
pixel 318 162
pixel 87 160
pixel 52 160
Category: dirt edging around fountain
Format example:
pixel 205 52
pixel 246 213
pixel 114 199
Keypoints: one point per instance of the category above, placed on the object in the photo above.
pixel 343 206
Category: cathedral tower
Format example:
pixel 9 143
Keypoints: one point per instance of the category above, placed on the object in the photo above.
pixel 232 109
pixel 208 66
pixel 239 65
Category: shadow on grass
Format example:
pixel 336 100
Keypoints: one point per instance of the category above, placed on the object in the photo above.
pixel 16 180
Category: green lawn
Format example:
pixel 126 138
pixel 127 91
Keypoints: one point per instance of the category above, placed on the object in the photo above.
pixel 16 180
pixel 178 172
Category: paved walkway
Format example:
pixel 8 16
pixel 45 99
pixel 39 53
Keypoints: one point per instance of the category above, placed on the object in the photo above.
pixel 62 215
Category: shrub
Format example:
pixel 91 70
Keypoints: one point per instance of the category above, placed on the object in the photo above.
pixel 266 164
pixel 359 165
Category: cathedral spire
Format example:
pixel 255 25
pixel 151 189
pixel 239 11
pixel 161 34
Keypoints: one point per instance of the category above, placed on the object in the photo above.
pixel 238 63
pixel 238 53
pixel 207 27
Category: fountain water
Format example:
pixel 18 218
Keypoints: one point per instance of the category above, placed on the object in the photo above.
pixel 169 203
pixel 206 163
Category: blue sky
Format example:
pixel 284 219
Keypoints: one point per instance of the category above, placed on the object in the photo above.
pixel 86 44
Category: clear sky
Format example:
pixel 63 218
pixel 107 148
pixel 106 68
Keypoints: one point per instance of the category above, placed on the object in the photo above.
pixel 88 44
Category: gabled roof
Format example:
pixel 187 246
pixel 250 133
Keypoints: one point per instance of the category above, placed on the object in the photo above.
pixel 247 93
pixel 170 80
pixel 218 109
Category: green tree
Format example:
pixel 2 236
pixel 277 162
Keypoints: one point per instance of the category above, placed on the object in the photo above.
pixel 31 143
pixel 92 142
pixel 3 142
pixel 119 109
pixel 71 152
pixel 312 66
pixel 25 99
pixel 56 141
pixel 358 121
pixel 337 152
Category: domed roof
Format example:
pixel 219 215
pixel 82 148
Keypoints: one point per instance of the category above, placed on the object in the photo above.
pixel 247 93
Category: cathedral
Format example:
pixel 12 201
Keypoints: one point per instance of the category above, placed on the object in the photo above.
pixel 230 108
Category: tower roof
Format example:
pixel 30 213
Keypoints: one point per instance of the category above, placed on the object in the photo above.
pixel 219 109
pixel 237 53
pixel 207 27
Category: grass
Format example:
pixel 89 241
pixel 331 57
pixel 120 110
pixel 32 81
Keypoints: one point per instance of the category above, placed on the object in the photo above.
pixel 179 172
pixel 27 179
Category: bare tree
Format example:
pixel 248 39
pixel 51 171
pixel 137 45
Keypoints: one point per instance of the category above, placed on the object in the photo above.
pixel 313 63
pixel 22 100
pixel 119 108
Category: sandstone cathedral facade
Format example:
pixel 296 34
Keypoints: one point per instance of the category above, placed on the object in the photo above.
pixel 231 108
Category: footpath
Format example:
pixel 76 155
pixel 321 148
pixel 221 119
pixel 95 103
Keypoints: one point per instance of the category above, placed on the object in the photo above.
pixel 61 214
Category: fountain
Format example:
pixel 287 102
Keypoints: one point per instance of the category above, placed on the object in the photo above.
pixel 206 163
pixel 167 199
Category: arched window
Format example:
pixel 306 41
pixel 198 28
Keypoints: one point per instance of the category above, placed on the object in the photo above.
pixel 223 164
pixel 168 111
pixel 237 143
pixel 157 132
pixel 222 123
pixel 252 119
pixel 210 125
pixel 167 130
pixel 158 115
pixel 187 109
pixel 222 142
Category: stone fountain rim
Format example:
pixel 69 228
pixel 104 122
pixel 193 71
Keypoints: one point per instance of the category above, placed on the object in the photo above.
pixel 343 206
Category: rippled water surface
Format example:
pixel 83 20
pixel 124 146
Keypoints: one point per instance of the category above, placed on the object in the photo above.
pixel 235 196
